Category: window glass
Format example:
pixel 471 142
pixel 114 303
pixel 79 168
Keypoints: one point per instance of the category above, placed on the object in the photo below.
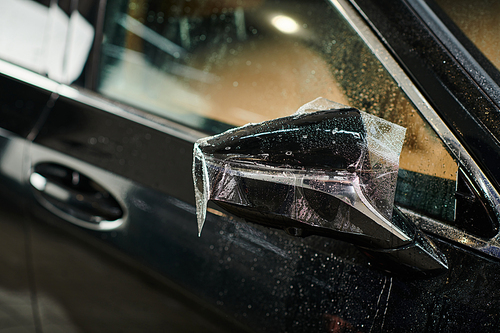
pixel 480 21
pixel 215 64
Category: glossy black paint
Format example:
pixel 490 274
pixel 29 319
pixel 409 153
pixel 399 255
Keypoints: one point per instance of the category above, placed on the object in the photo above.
pixel 271 281
pixel 137 152
pixel 448 303
pixel 147 268
pixel 21 105
pixel 298 141
pixel 17 283
pixel 266 279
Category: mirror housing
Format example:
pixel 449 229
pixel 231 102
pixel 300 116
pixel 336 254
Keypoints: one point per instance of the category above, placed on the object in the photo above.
pixel 330 172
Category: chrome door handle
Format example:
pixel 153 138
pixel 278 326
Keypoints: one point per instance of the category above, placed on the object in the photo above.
pixel 329 173
pixel 75 197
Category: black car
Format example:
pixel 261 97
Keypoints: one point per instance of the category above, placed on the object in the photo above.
pixel 102 101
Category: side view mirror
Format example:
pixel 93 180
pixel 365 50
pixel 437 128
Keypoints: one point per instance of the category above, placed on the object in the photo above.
pixel 331 172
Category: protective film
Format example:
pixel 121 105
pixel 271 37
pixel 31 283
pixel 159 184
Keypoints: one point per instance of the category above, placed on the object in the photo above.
pixel 328 166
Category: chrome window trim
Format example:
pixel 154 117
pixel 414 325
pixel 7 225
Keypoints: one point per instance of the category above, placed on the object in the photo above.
pixel 491 246
pixel 136 115
pixel 87 98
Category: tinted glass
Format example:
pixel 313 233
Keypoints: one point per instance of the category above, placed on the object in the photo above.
pixel 218 64
pixel 480 22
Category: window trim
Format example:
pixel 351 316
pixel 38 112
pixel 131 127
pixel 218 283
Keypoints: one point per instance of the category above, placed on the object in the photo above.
pixel 90 98
pixel 458 49
pixel 457 150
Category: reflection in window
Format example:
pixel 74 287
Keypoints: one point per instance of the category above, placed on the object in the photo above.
pixel 217 64
pixel 44 38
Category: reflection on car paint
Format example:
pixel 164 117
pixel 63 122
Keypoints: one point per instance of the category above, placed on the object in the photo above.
pixel 46 40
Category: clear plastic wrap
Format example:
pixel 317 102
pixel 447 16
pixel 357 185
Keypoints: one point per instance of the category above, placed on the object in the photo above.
pixel 327 166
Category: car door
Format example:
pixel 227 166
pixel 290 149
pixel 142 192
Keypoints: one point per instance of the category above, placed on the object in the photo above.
pixel 53 281
pixel 110 172
pixel 22 106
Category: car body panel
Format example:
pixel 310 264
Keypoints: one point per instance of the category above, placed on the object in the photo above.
pixel 153 273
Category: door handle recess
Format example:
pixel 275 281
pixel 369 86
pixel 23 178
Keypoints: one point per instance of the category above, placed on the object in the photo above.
pixel 75 197
pixel 331 172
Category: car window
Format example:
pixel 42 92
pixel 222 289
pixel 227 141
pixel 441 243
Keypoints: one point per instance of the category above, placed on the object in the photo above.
pixel 52 38
pixel 480 22
pixel 213 65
